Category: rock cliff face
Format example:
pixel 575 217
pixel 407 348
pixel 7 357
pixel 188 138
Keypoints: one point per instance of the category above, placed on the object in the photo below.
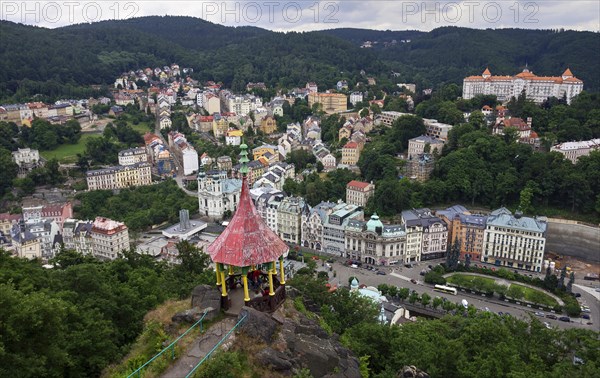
pixel 297 343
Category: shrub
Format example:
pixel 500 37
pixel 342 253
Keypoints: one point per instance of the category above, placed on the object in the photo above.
pixel 434 278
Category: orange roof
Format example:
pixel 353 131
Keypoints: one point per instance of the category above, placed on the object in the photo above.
pixel 351 145
pixel 487 72
pixel 357 184
pixel 567 72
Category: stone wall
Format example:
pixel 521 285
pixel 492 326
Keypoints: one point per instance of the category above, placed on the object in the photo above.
pixel 571 238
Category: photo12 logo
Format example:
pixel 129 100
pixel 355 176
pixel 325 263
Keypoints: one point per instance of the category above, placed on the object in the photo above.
pixel 66 12
pixel 252 12
pixel 469 12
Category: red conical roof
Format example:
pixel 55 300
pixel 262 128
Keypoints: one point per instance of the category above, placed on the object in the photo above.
pixel 247 239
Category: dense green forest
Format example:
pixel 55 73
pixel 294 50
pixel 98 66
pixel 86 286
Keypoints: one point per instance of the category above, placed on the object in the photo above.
pixel 65 61
pixel 75 319
pixel 139 207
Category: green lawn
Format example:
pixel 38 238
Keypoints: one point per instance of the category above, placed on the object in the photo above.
pixel 141 128
pixel 466 280
pixel 535 296
pixel 67 153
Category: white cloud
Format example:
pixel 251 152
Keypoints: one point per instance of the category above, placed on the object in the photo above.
pixel 304 15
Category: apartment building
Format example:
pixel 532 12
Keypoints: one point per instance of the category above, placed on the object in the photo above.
pixel 358 192
pixel 119 177
pixel 374 243
pixel 109 238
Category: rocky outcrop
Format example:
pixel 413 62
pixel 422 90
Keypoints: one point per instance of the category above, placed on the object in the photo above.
pixel 294 344
pixel 204 298
pixel 412 372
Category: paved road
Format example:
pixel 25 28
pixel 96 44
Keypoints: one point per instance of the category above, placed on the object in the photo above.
pixel 401 276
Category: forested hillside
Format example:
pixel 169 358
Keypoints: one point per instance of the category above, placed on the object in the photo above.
pixel 448 54
pixel 64 61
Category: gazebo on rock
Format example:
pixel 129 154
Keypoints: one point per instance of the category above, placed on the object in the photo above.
pixel 248 251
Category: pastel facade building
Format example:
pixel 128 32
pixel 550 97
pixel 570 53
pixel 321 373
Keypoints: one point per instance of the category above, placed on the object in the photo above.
pixel 358 193
pixel 426 233
pixel 217 193
pixel 514 241
pixel 109 238
pixel 132 156
pixel 120 177
pixel 574 150
pixel 331 102
pixel 374 243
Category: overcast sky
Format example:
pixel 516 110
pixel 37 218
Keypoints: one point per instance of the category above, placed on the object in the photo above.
pixel 315 15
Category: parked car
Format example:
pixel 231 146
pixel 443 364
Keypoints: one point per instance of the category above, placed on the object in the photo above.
pixel 540 314
pixel 331 261
pixel 565 319
pixel 577 295
pixel 354 266
pixel 413 281
pixel 408 265
pixel 547 325
pixel 551 316
pixel 585 316
pixel 422 273
pixel 381 272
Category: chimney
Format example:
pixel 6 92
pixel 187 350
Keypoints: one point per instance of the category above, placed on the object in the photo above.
pixel 184 219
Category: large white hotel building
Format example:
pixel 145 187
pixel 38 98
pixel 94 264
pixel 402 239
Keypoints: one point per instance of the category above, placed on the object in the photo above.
pixel 537 88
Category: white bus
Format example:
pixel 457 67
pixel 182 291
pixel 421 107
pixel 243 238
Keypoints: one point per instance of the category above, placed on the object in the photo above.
pixel 445 289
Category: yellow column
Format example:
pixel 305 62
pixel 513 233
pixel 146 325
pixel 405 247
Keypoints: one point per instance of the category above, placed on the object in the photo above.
pixel 231 272
pixel 246 295
pixel 281 270
pixel 245 282
pixel 223 283
pixel 271 290
pixel 218 274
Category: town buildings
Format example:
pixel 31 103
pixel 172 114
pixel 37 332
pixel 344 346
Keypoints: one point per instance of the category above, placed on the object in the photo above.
pixel 268 125
pixel 574 150
pixel 217 194
pixel 334 228
pixel 233 137
pixel 356 97
pixel 387 118
pixel 267 200
pixel 331 102
pixel 26 159
pixel 419 167
pixel 437 129
pixel 109 238
pixel 289 219
pixel 350 153
pixel 184 152
pixel 313 222
pixel 466 230
pixel 426 232
pixel 514 241
pixel 133 156
pixel 536 88
pixel 416 146
pixel 119 177
pixel 358 193
pixel 26 245
pixel 373 242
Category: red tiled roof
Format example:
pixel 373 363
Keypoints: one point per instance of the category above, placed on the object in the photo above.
pixel 247 239
pixel 358 184
pixel 351 145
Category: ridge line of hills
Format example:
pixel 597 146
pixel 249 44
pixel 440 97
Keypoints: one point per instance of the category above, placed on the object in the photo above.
pixel 75 56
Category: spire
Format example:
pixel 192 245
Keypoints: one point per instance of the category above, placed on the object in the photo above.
pixel 244 159
pixel 567 73
pixel 486 73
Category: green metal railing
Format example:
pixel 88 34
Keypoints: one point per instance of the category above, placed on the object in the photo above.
pixel 171 346
pixel 216 346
